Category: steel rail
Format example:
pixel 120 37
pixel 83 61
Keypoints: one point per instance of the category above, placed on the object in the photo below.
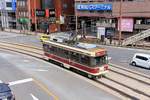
pixel 34 54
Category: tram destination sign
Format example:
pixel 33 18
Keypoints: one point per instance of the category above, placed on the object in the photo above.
pixel 94 7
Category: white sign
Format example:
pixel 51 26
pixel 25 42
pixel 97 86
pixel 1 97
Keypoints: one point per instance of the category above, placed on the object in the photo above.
pixel 100 31
pixel 126 24
pixel 62 19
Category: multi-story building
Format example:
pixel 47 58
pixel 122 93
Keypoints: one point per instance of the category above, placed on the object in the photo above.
pixel 7 13
pixel 24 12
pixel 63 9
pixel 45 14
pixel 98 14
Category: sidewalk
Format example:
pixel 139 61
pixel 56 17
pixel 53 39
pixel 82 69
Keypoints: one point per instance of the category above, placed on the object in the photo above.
pixel 140 45
pixel 91 39
pixel 22 32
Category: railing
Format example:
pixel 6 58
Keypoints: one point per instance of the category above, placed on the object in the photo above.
pixel 136 37
pixel 141 26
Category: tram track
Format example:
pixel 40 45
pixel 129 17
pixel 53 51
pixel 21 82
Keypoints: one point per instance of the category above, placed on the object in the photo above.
pixel 108 81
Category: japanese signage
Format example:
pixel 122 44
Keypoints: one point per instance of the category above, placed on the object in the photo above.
pixel 40 13
pixel 52 12
pixel 97 7
pixel 126 24
pixel 14 5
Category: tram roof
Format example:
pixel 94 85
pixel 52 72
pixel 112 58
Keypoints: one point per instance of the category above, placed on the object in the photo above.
pixel 84 48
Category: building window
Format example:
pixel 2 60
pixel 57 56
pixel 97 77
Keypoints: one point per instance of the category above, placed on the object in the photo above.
pixel 8 4
pixel 65 6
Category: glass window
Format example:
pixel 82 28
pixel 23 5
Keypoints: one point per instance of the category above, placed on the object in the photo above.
pixel 85 60
pixel 99 61
pixel 142 58
pixel 74 56
pixel 8 4
pixel 46 47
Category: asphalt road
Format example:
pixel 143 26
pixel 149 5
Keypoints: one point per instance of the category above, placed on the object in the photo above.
pixel 33 79
pixel 120 56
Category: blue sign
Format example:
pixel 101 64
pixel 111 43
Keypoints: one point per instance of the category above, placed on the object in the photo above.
pixel 97 7
pixel 14 5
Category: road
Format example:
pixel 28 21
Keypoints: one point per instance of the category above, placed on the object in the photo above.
pixel 34 79
pixel 120 56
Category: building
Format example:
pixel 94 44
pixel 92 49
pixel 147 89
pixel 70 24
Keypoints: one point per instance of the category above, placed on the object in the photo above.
pixel 104 15
pixel 7 13
pixel 45 14
pixel 25 10
pixel 64 9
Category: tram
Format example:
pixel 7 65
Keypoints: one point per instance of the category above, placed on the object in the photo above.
pixel 86 58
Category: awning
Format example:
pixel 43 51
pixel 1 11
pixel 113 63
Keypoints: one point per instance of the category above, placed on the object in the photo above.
pixel 23 20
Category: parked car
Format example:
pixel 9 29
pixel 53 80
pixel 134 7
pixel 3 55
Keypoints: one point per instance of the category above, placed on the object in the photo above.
pixel 140 59
pixel 5 92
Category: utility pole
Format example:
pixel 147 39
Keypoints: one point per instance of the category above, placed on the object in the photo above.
pixel 35 15
pixel 3 14
pixel 120 21
pixel 29 13
pixel 76 19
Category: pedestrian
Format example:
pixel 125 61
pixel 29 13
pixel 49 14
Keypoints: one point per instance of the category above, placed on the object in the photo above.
pixel 47 31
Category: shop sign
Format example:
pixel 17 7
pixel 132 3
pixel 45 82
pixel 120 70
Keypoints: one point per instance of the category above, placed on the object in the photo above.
pixel 52 12
pixel 97 7
pixel 40 13
pixel 14 5
pixel 100 32
pixel 126 24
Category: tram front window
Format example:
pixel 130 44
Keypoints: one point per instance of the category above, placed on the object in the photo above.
pixel 99 60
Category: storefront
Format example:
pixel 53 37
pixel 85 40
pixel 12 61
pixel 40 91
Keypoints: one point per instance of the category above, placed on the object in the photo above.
pixel 95 16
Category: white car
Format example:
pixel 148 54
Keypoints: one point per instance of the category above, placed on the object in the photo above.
pixel 140 59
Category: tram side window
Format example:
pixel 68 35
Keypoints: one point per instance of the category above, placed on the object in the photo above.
pixel 53 49
pixel 46 47
pixel 93 62
pixel 85 60
pixel 60 52
pixel 66 54
pixel 74 56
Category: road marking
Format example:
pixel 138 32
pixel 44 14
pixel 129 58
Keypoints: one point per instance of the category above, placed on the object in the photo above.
pixel 20 81
pixel 39 70
pixel 34 98
pixel 42 86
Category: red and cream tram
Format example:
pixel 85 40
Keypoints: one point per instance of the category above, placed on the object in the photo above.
pixel 86 58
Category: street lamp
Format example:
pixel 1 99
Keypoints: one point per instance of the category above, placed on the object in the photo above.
pixel 120 19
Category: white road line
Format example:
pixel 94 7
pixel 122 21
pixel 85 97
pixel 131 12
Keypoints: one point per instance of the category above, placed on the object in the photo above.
pixel 20 81
pixel 39 70
pixel 34 98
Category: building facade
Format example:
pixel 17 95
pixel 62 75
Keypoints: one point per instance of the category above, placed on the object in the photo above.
pixel 97 14
pixel 24 11
pixel 45 14
pixel 8 13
